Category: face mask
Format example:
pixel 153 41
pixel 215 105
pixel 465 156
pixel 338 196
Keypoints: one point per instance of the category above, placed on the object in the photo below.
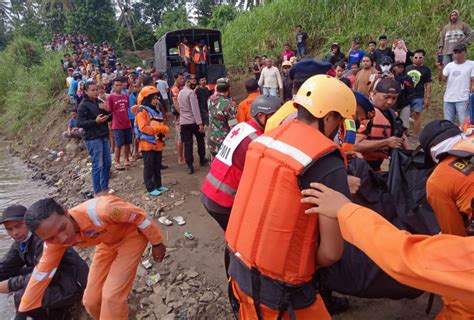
pixel 192 86
pixel 386 68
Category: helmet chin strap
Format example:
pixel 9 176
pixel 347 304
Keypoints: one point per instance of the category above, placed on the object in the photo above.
pixel 321 125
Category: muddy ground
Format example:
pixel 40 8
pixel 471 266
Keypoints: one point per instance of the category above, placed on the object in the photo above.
pixel 192 282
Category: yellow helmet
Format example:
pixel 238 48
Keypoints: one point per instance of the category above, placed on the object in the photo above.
pixel 322 94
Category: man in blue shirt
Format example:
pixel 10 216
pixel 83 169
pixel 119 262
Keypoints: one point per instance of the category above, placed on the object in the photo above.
pixel 77 77
pixel 355 54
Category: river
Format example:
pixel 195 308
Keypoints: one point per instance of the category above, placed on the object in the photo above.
pixel 15 188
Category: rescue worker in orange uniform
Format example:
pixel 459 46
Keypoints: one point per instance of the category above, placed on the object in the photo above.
pixel 376 136
pixel 184 52
pixel 220 185
pixel 199 56
pixel 276 248
pixel 120 232
pixel 150 130
pixel 299 73
pixel 442 264
pixel 243 110
pixel 450 190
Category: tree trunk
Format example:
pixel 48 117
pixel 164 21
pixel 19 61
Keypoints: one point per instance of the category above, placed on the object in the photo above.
pixel 124 10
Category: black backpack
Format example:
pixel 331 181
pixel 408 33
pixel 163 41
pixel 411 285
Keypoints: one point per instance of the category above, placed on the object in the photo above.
pixel 401 199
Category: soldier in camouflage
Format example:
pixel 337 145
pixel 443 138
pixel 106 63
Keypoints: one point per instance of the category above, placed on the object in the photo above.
pixel 222 115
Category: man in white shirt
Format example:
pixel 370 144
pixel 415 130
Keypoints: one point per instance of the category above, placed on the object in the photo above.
pixel 459 77
pixel 270 79
pixel 162 85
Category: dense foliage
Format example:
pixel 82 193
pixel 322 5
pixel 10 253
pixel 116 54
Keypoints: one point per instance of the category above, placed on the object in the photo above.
pixel 265 29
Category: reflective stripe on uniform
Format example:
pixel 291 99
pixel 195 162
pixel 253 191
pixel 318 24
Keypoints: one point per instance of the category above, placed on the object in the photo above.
pixel 144 224
pixel 40 276
pixel 253 136
pixel 92 212
pixel 285 148
pixel 220 185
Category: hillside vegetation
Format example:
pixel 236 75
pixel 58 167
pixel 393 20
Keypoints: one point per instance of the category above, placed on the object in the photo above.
pixel 264 30
pixel 30 82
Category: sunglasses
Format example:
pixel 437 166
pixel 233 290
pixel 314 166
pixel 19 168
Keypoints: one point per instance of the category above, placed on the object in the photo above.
pixel 416 58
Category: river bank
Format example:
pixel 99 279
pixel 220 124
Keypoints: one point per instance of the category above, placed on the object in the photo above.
pixel 192 283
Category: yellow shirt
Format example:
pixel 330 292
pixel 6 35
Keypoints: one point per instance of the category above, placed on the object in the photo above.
pixel 285 110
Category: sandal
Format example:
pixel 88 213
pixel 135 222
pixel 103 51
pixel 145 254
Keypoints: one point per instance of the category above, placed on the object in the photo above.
pixel 165 221
pixel 155 192
pixel 188 235
pixel 119 167
pixel 179 220
pixel 163 189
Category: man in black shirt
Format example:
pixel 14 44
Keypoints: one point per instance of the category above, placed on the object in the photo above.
pixel 18 266
pixel 421 77
pixel 382 50
pixel 203 93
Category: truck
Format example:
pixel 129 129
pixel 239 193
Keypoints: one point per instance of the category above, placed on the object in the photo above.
pixel 168 59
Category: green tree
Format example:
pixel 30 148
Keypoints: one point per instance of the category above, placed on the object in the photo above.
pixel 141 29
pixel 4 10
pixel 95 18
pixel 173 20
pixel 222 15
pixel 204 10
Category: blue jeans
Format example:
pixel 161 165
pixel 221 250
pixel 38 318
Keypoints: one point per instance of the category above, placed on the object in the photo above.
pixel 300 51
pixel 99 151
pixel 269 91
pixel 451 108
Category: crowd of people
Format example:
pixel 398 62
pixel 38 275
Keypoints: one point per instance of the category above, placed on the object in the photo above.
pixel 278 181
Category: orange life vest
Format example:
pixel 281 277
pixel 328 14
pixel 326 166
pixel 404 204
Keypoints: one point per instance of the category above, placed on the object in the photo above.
pixel 220 184
pixel 377 128
pixel 268 230
pixel 199 54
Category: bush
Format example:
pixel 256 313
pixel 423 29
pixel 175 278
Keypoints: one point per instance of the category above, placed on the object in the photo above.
pixel 30 82
pixel 265 29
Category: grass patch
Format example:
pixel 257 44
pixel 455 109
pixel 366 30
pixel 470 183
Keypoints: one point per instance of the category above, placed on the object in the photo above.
pixel 30 82
pixel 267 28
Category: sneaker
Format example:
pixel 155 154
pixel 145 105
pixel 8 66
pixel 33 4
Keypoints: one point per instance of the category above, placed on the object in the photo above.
pixel 155 193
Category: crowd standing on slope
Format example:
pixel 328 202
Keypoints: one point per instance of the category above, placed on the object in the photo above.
pixel 278 183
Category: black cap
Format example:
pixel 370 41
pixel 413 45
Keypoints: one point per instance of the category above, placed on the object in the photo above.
pixel 435 132
pixel 307 68
pixel 13 213
pixel 364 102
pixel 387 85
pixel 386 60
pixel 460 47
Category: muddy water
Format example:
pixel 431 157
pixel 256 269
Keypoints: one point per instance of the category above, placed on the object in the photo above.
pixel 15 188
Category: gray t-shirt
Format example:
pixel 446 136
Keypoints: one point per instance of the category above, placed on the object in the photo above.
pixel 162 85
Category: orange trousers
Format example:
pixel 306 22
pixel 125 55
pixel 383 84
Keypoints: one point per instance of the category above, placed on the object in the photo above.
pixel 111 277
pixel 454 310
pixel 247 309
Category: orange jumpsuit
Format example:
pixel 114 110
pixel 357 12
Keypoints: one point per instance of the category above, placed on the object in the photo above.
pixel 442 264
pixel 243 110
pixel 449 191
pixel 120 231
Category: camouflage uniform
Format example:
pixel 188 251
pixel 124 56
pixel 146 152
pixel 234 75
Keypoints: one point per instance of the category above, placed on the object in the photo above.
pixel 222 116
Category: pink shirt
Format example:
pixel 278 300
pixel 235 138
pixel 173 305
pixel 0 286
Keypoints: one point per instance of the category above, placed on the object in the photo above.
pixel 286 55
pixel 119 105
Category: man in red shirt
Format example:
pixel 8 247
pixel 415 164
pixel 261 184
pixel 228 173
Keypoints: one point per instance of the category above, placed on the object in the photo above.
pixel 118 103
pixel 287 53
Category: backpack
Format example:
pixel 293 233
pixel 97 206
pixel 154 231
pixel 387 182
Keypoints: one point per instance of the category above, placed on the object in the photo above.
pixel 400 198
